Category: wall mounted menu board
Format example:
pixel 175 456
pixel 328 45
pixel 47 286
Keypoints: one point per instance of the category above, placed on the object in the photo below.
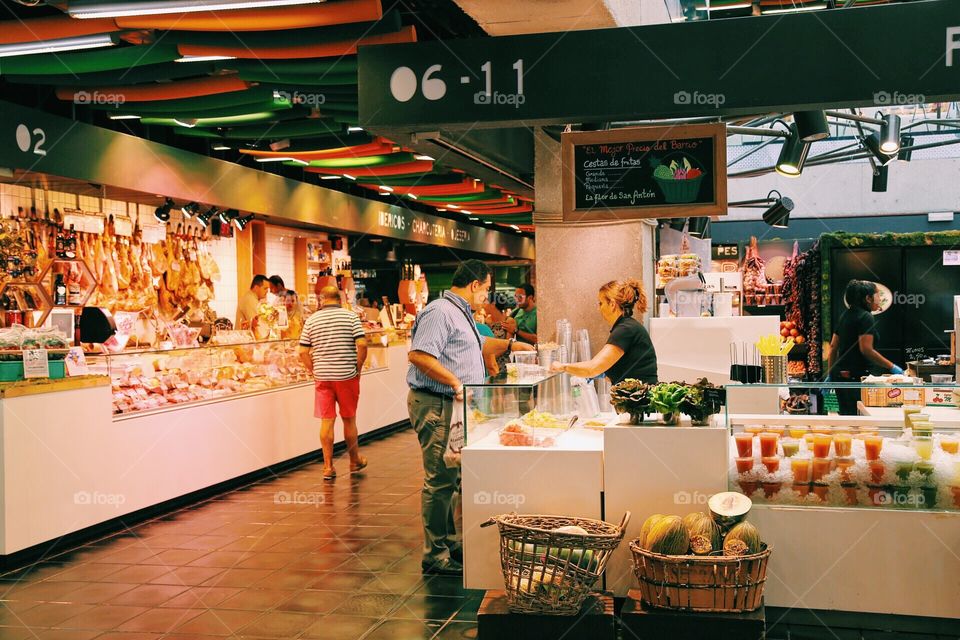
pixel 645 172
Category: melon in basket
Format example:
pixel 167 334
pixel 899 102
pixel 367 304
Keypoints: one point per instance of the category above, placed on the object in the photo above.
pixel 729 508
pixel 647 525
pixel 700 524
pixel 668 537
pixel 746 533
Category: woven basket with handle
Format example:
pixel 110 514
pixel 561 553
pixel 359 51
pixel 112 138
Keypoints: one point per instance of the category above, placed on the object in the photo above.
pixel 545 571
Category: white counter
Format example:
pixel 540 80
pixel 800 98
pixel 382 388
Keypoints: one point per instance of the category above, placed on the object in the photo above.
pixel 68 464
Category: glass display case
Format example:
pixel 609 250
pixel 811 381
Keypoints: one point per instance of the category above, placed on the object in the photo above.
pixel 900 451
pixel 533 411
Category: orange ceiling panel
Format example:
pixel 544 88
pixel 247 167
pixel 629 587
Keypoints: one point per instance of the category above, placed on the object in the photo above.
pixel 165 91
pixel 320 50
pixel 52 28
pixel 261 19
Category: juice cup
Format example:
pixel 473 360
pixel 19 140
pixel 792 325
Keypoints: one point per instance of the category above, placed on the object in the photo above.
pixel 878 495
pixel 753 428
pixel 748 486
pixel 772 463
pixel 801 470
pixel 768 444
pixel 873 445
pixel 950 444
pixel 770 489
pixel 790 447
pixel 803 488
pixel 844 465
pixel 745 464
pixel 907 412
pixel 903 470
pixel 923 446
pixel 821 491
pixel 821 467
pixel 842 443
pixel 744 444
pixel 808 439
pixel 821 429
pixel 821 445
pixel 869 431
pixel 923 428
pixel 797 432
pixel 850 489
pixel 956 496
pixel 877 470
pixel 777 429
pixel 915 416
pixel 924 468
pixel 900 496
pixel 956 473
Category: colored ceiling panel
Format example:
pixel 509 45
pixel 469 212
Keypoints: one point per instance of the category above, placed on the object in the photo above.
pixel 211 122
pixel 417 166
pixel 307 127
pixel 323 50
pixel 385 160
pixel 488 194
pixel 432 179
pixel 524 208
pixel 260 19
pixel 468 186
pixel 52 28
pixel 345 65
pixel 166 91
pixel 253 96
pixel 89 61
pixel 265 39
pixel 307 79
pixel 321 154
pixel 134 75
pixel 272 106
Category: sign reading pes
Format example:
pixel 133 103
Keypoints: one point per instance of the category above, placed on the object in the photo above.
pixel 645 172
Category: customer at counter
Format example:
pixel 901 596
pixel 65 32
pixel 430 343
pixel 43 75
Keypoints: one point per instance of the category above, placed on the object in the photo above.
pixel 522 324
pixel 853 345
pixel 628 353
pixel 446 352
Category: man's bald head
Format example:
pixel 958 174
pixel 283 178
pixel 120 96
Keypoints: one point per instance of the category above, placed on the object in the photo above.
pixel 330 293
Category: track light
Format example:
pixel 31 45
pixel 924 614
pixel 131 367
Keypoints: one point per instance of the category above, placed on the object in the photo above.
pixel 778 215
pixel 698 226
pixel 905 153
pixel 162 213
pixel 190 210
pixel 793 155
pixel 872 144
pixel 228 215
pixel 205 217
pixel 100 9
pixel 58 45
pixel 890 134
pixel 241 222
pixel 812 125
pixel 880 180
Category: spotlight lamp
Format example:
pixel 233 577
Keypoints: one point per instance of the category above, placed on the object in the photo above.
pixel 890 134
pixel 872 144
pixel 241 222
pixel 906 152
pixel 162 213
pixel 205 217
pixel 190 210
pixel 228 215
pixel 812 125
pixel 778 215
pixel 793 155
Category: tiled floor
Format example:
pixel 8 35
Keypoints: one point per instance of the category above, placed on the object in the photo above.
pixel 292 557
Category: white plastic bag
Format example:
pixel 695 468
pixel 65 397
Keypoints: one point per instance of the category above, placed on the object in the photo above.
pixel 451 457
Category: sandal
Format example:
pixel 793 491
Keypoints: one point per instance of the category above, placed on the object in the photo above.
pixel 329 474
pixel 360 466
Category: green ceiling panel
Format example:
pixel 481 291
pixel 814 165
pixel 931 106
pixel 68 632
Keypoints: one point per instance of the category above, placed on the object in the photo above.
pixel 385 160
pixel 313 67
pixel 89 61
pixel 135 75
pixel 219 112
pixel 307 79
pixel 212 122
pixel 489 194
pixel 419 181
pixel 254 96
pixel 304 128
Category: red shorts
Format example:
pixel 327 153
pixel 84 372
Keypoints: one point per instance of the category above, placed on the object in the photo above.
pixel 331 393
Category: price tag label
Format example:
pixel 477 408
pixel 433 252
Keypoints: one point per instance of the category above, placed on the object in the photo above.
pixel 951 258
pixel 123 226
pixel 152 234
pixel 35 363
pixel 76 362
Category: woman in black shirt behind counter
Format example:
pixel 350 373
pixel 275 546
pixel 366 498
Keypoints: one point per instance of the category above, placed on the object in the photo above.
pixel 629 353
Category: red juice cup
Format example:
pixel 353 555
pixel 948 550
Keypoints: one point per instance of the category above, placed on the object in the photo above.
pixel 877 469
pixel 821 467
pixel 802 488
pixel 873 445
pixel 821 491
pixel 745 464
pixel 770 489
pixel 956 496
pixel 851 491
pixel 744 444
pixel 748 486
pixel 772 463
pixel 844 464
pixel 768 444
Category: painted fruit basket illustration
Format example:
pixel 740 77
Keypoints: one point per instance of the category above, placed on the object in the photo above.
pixel 679 180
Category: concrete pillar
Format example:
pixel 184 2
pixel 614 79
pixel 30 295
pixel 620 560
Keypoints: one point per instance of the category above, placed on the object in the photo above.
pixel 574 260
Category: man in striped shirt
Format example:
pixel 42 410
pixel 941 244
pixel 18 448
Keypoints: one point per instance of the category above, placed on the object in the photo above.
pixel 333 346
pixel 447 352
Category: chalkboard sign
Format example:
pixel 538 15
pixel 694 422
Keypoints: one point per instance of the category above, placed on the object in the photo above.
pixel 917 354
pixel 647 172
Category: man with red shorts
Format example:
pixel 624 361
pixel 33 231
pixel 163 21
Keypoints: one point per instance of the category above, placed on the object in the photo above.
pixel 333 346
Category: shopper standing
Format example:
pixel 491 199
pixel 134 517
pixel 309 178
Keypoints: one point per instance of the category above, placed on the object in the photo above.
pixel 447 352
pixel 277 287
pixel 853 346
pixel 333 346
pixel 250 301
pixel 523 323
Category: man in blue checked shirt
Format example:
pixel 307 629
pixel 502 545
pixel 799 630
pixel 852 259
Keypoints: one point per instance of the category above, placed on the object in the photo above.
pixel 447 352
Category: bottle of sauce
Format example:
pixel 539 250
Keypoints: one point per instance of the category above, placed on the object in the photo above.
pixel 59 291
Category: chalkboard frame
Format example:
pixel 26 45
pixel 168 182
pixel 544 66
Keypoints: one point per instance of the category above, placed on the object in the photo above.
pixel 570 141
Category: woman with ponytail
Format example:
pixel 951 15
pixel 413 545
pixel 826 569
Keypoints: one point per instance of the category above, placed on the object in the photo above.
pixel 628 353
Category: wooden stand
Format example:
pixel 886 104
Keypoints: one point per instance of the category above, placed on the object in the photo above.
pixel 642 622
pixel 595 621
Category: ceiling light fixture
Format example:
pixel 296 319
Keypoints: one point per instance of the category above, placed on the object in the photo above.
pixel 204 58
pixel 127 116
pixel 809 7
pixel 812 125
pixel 241 222
pixel 349 177
pixel 385 188
pixel 872 144
pixel 204 217
pixel 698 226
pixel 58 45
pixel 220 147
pixel 274 159
pixel 778 215
pixel 890 134
pixel 905 153
pixel 329 177
pixel 189 123
pixel 100 9
pixel 190 210
pixel 162 213
pixel 793 154
pixel 423 157
pixel 227 216
pixel 302 163
pixel 354 129
pixel 412 196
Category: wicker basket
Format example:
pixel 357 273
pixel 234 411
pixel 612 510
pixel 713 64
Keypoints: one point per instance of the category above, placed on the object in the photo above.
pixel 549 572
pixel 701 583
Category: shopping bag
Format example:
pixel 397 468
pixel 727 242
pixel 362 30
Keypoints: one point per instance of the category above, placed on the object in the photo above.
pixel 451 456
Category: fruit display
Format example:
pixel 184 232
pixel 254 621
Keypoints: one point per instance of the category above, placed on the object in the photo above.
pixel 668 536
pixel 517 434
pixel 673 266
pixel 788 329
pixel 15 339
pixel 722 532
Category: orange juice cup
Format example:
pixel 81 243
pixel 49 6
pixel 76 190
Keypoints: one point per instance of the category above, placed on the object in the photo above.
pixel 842 444
pixel 768 444
pixel 744 444
pixel 821 429
pixel 851 491
pixel 821 467
pixel 791 447
pixel 797 432
pixel 821 491
pixel 950 445
pixel 821 445
pixel 873 445
pixel 801 469
pixel 753 428
pixel 770 489
pixel 877 470
pixel 808 441
pixel 844 464
pixel 777 429
pixel 956 496
pixel 869 431
pixel 745 464
pixel 772 463
pixel 748 486
pixel 802 488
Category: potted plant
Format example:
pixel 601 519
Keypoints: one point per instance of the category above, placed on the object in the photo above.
pixel 633 397
pixel 666 398
pixel 699 404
